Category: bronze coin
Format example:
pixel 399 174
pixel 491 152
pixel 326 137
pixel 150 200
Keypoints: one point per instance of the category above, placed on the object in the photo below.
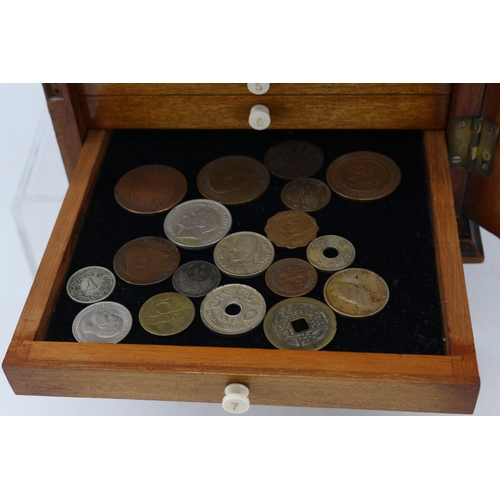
pixel 150 189
pixel 291 229
pixel 146 260
pixel 291 277
pixel 306 195
pixel 294 159
pixel 233 180
pixel 363 176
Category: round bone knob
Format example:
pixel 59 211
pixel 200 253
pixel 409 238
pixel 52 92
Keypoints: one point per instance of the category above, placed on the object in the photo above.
pixel 236 398
pixel 259 118
pixel 258 88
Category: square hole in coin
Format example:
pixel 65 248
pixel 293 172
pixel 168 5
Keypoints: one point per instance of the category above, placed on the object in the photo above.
pixel 300 325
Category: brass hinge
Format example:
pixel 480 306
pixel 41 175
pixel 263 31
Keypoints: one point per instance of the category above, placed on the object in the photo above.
pixel 473 143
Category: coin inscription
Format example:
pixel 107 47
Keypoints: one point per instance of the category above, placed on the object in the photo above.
pixel 291 229
pixel 306 195
pixel 291 277
pixel 196 278
pixel 317 248
pixel 91 284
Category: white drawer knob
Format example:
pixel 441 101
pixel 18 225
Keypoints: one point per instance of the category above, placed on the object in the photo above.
pixel 236 398
pixel 258 88
pixel 259 118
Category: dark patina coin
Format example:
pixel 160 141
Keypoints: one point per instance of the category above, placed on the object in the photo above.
pixel 291 277
pixel 196 278
pixel 306 195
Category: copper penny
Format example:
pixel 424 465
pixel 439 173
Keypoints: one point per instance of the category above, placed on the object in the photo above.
pixel 363 176
pixel 233 180
pixel 150 189
pixel 291 229
pixel 291 277
pixel 294 159
pixel 306 195
pixel 146 260
pixel 356 293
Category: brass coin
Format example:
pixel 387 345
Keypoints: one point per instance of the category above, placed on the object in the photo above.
pixel 233 180
pixel 363 176
pixel 166 314
pixel 150 189
pixel 294 159
pixel 316 253
pixel 291 229
pixel 146 260
pixel 291 277
pixel 356 293
pixel 300 323
pixel 306 195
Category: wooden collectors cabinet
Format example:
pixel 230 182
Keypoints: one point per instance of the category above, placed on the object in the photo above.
pixel 84 116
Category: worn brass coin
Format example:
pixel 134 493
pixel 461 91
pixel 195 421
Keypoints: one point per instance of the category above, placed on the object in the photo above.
pixel 291 229
pixel 291 277
pixel 102 322
pixel 166 314
pixel 300 323
pixel 356 293
pixel 294 159
pixel 306 195
pixel 196 278
pixel 91 284
pixel 316 253
pixel 150 189
pixel 146 260
pixel 244 254
pixel 233 180
pixel 363 176
pixel 233 309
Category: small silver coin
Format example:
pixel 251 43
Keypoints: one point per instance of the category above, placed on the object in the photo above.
pixel 197 224
pixel 233 309
pixel 91 284
pixel 316 253
pixel 196 278
pixel 103 322
pixel 244 254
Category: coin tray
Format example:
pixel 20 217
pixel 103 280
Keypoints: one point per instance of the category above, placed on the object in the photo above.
pixel 392 237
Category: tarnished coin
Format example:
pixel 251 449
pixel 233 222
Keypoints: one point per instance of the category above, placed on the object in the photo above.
pixel 294 159
pixel 150 189
pixel 363 176
pixel 356 293
pixel 146 260
pixel 91 284
pixel 318 249
pixel 306 195
pixel 197 224
pixel 196 278
pixel 244 254
pixel 291 229
pixel 233 309
pixel 103 322
pixel 233 180
pixel 291 277
pixel 301 323
pixel 166 314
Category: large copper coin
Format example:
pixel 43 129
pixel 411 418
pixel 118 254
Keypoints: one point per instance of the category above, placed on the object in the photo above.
pixel 291 229
pixel 150 189
pixel 291 277
pixel 146 260
pixel 233 180
pixel 363 176
pixel 294 159
pixel 306 195
pixel 356 293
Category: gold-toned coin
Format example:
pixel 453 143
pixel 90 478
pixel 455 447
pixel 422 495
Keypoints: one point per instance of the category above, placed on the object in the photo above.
pixel 306 195
pixel 363 176
pixel 300 323
pixel 146 260
pixel 291 229
pixel 317 257
pixel 150 189
pixel 356 293
pixel 166 314
pixel 233 180
pixel 291 277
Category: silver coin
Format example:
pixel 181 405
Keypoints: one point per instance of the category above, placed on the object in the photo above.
pixel 244 254
pixel 196 278
pixel 233 309
pixel 316 256
pixel 91 284
pixel 197 224
pixel 103 322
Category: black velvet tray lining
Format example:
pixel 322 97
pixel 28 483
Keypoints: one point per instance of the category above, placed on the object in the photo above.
pixel 392 237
